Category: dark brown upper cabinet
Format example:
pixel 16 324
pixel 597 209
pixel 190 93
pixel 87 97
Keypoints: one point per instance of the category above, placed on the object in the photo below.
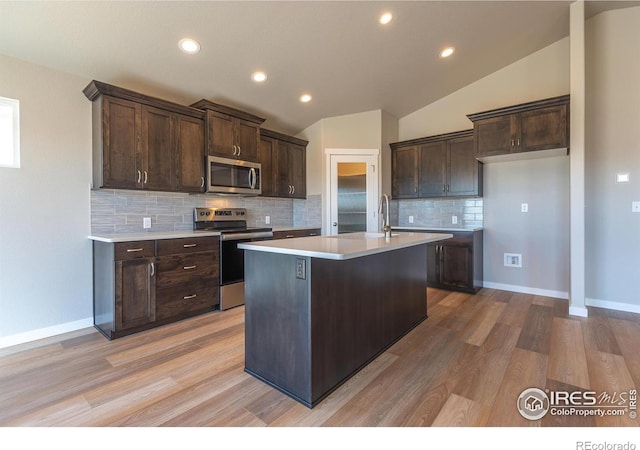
pixel 229 132
pixel 436 166
pixel 142 142
pixel 284 165
pixel 511 133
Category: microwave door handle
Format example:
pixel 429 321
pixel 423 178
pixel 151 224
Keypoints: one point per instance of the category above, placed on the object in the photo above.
pixel 249 177
pixel 253 177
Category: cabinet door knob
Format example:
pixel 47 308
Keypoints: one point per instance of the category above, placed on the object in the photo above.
pixel 294 189
pixel 139 177
pixel 518 144
pixel 153 270
pixel 146 177
pixel 235 149
pixel 334 224
pixel 201 182
pixel 512 143
pixel 239 150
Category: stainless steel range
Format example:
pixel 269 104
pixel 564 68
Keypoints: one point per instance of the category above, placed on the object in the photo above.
pixel 232 225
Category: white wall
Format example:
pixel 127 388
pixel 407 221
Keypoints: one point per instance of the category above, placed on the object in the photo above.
pixel 45 256
pixel 542 235
pixel 613 145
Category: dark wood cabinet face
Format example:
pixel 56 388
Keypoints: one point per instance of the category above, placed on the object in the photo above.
pixel 405 172
pixel 439 166
pixel 190 154
pixel 121 124
pixel 157 147
pixel 456 268
pixel 432 180
pixel 543 129
pixel 220 139
pixel 266 153
pixel 433 264
pixel 247 137
pixel 297 170
pixel 463 169
pixel 282 164
pixel 135 293
pixel 495 136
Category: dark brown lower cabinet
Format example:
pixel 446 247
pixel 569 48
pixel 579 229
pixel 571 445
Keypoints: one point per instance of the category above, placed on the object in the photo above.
pixel 143 284
pixel 455 264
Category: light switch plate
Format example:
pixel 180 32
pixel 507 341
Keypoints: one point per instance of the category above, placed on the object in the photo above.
pixel 454 220
pixel 410 219
pixel 146 222
pixel 301 269
pixel 267 220
pixel 635 206
pixel 524 207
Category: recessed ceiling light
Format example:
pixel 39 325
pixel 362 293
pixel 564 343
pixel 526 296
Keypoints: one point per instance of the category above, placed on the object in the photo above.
pixel 189 45
pixel 447 52
pixel 305 98
pixel 385 18
pixel 258 77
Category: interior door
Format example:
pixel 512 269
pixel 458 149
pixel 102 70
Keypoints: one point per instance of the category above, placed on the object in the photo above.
pixel 353 194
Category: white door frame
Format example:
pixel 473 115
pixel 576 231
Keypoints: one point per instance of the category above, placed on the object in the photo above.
pixel 375 186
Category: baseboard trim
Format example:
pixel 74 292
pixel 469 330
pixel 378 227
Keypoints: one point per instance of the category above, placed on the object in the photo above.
pixel 617 306
pixel 41 333
pixel 578 311
pixel 526 290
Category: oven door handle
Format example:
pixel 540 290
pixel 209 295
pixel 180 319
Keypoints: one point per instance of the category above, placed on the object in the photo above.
pixel 242 236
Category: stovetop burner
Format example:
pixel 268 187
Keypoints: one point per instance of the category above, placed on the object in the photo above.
pixel 224 220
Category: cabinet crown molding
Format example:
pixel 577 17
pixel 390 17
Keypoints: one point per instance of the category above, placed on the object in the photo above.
pixel 97 88
pixel 228 110
pixel 553 101
pixel 282 137
pixel 438 137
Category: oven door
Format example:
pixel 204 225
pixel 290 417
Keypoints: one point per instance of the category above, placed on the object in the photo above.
pixel 231 176
pixel 232 267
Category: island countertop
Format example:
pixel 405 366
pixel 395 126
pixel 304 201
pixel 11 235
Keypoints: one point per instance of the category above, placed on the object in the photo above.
pixel 343 246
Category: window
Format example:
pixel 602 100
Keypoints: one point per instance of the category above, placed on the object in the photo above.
pixel 9 132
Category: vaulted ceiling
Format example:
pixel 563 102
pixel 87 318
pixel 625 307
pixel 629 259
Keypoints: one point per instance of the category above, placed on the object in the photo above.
pixel 337 51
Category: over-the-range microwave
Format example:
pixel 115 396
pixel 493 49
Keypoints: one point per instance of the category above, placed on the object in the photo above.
pixel 232 176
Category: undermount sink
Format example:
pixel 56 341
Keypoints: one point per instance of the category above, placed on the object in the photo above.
pixel 361 235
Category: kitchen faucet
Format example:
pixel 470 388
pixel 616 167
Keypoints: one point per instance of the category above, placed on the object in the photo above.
pixel 386 226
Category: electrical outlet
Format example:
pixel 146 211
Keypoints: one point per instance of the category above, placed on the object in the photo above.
pixel 301 269
pixel 524 207
pixel 146 222
pixel 454 220
pixel 635 206
pixel 410 219
pixel 512 260
pixel 267 219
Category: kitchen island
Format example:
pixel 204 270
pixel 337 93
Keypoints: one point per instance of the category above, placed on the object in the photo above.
pixel 318 309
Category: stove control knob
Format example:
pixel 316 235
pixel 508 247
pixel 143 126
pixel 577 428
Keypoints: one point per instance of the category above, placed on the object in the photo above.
pixel 208 213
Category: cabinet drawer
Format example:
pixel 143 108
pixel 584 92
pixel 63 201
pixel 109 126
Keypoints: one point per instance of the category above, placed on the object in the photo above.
pixel 186 245
pixel 459 238
pixel 134 250
pixel 178 269
pixel 185 299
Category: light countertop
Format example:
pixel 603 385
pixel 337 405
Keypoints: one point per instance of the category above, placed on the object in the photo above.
pixel 343 246
pixel 292 228
pixel 126 237
pixel 437 228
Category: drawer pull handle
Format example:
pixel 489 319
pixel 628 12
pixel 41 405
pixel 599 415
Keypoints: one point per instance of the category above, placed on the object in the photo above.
pixel 153 270
pixel 189 245
pixel 131 250
pixel 313 234
pixel 187 297
pixel 289 236
pixel 189 267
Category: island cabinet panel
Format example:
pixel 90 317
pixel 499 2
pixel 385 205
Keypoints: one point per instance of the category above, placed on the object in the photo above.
pixel 143 284
pixel 312 323
pixel 519 131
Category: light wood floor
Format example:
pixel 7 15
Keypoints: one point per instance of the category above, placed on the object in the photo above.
pixel 464 366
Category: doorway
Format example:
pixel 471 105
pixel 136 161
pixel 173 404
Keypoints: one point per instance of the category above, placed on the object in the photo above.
pixel 352 191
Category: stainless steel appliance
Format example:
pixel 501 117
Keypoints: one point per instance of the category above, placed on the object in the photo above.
pixel 232 225
pixel 232 176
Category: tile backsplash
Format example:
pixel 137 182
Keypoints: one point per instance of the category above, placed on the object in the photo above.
pixel 438 212
pixel 120 211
